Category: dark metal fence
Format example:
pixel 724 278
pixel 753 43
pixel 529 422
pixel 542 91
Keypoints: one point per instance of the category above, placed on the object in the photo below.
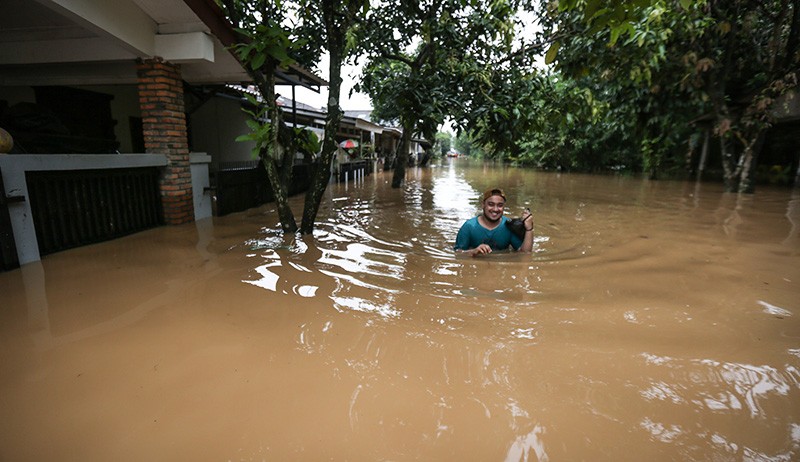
pixel 239 186
pixel 74 208
pixel 8 249
pixel 349 169
pixel 243 185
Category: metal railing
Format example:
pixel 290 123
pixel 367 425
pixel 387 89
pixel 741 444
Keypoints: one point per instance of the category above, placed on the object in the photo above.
pixel 74 208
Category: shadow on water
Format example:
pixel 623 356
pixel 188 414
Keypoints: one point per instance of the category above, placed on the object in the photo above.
pixel 652 321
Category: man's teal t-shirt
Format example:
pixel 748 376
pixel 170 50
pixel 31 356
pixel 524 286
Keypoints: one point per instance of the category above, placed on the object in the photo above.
pixel 472 234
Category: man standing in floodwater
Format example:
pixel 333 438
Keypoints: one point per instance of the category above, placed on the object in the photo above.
pixel 488 231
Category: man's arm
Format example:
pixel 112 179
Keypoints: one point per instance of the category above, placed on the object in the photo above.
pixel 462 238
pixel 527 242
pixel 480 250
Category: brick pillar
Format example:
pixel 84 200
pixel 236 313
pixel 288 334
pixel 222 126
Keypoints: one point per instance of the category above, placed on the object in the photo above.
pixel 164 126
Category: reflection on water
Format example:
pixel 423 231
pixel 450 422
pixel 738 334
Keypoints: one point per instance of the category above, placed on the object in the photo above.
pixel 652 321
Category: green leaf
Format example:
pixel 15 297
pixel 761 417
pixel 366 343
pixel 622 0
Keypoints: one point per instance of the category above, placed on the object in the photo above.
pixel 565 5
pixel 685 4
pixel 251 99
pixel 253 125
pixel 550 56
pixel 244 51
pixel 600 16
pixel 591 8
pixel 279 54
pixel 258 61
pixel 615 31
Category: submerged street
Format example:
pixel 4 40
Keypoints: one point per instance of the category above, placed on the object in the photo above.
pixel 654 320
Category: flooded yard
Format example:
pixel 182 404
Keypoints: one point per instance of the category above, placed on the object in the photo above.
pixel 653 321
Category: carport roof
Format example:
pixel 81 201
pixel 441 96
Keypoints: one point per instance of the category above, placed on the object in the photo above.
pixel 73 42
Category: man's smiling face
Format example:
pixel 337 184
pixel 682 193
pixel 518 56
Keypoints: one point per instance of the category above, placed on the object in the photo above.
pixel 493 207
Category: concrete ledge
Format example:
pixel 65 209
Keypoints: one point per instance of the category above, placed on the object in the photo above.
pixel 14 166
pixel 39 162
pixel 201 195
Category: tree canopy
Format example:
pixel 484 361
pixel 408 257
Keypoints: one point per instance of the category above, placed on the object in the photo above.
pixel 279 33
pixel 425 57
pixel 618 85
pixel 629 84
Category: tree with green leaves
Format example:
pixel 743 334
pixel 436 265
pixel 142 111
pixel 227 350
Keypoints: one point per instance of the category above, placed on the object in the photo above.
pixel 277 34
pixel 672 61
pixel 340 19
pixel 422 54
pixel 743 61
pixel 466 146
pixel 627 73
pixel 444 143
pixel 266 46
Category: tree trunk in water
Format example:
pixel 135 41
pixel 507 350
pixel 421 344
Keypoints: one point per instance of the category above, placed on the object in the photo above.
pixel 797 176
pixel 724 122
pixel 285 147
pixel 270 155
pixel 728 165
pixel 285 214
pixel 426 157
pixel 796 183
pixel 704 154
pixel 402 157
pixel 322 171
pixel 751 152
pixel 321 174
pixel 430 137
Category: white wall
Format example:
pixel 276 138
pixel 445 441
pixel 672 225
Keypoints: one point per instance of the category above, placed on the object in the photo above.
pixel 215 126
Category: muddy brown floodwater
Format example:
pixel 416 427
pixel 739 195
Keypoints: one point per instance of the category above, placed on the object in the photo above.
pixel 653 321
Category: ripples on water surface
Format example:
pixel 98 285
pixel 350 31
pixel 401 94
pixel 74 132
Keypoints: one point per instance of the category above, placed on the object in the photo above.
pixel 653 321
